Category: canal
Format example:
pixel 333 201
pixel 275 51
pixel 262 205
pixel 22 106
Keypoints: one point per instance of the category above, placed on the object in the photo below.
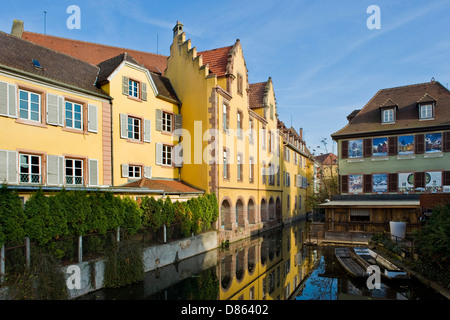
pixel 275 265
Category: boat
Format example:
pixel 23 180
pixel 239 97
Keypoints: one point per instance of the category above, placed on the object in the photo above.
pixel 389 270
pixel 351 264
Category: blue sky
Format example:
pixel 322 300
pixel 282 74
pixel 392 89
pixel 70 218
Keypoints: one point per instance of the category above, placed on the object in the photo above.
pixel 323 59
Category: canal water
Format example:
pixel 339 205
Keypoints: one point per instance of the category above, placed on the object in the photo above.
pixel 276 265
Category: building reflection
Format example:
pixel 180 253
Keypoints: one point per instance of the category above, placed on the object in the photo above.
pixel 267 267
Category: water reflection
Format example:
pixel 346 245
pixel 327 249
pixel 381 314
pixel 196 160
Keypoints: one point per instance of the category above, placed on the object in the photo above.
pixel 274 265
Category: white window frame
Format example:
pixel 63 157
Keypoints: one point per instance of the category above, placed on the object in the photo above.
pixel 133 88
pixel 167 155
pixel 70 115
pixel 133 124
pixel 28 105
pixel 426 111
pixel 167 122
pixel 388 116
pixel 29 166
pixel 134 172
pixel 72 179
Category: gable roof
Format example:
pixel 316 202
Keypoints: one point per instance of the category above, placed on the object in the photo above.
pixel 18 54
pixel 168 186
pixel 95 53
pixel 406 99
pixel 327 158
pixel 257 94
pixel 217 60
pixel 107 67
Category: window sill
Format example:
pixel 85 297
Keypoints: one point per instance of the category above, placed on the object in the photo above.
pixel 135 99
pixel 434 155
pixel 135 141
pixel 31 123
pixel 379 159
pixel 79 131
pixel 355 160
pixel 406 157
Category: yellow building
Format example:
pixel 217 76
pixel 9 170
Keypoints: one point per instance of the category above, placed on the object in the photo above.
pixel 51 119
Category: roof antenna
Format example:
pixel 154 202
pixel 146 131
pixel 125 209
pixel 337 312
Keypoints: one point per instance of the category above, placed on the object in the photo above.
pixel 45 22
pixel 157 43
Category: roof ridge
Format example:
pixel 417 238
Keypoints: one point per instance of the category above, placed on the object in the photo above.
pixel 94 43
pixel 200 52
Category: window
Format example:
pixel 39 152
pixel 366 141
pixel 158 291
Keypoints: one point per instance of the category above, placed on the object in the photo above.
pixel 74 172
pixel 134 128
pixel 240 84
pixel 388 115
pixel 239 167
pixel 133 88
pixel 167 122
pixel 29 106
pixel 74 115
pixel 251 135
pixel 225 117
pixel 251 169
pixel 167 155
pixel 30 168
pixel 263 138
pixel 134 171
pixel 426 111
pixel 225 165
pixel 239 124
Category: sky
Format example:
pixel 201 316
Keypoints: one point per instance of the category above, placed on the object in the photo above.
pixel 325 57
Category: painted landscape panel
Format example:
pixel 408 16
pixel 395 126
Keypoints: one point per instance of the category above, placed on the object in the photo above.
pixel 379 182
pixel 406 145
pixel 433 142
pixel 355 183
pixel 355 148
pixel 380 147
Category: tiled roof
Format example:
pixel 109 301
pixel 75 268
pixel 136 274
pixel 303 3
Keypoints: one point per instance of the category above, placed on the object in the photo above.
pixel 368 120
pixel 18 53
pixel 164 87
pixel 257 94
pixel 169 186
pixel 95 53
pixel 327 158
pixel 217 59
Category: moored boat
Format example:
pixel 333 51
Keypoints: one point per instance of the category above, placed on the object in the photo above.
pixel 349 261
pixel 388 269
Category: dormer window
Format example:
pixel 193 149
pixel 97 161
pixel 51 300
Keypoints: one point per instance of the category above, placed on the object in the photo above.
pixel 388 115
pixel 426 111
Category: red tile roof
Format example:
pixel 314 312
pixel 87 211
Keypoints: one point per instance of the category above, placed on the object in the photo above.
pixel 217 59
pixel 95 53
pixel 257 93
pixel 328 158
pixel 169 186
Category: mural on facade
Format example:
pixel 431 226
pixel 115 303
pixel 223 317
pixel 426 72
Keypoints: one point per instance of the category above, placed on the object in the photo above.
pixel 379 147
pixel 406 182
pixel 433 142
pixel 379 182
pixel 355 183
pixel 355 148
pixel 405 145
pixel 433 181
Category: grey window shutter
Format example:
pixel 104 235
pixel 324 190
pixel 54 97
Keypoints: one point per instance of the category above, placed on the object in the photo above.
pixel 148 172
pixel 55 170
pixel 3 166
pixel 159 153
pixel 55 110
pixel 125 172
pixel 125 81
pixel 158 120
pixel 147 130
pixel 12 103
pixel 12 167
pixel 93 172
pixel 4 99
pixel 123 126
pixel 178 122
pixel 177 157
pixel 144 91
pixel 92 118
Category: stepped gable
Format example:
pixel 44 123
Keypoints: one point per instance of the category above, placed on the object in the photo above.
pixel 95 53
pixel 19 54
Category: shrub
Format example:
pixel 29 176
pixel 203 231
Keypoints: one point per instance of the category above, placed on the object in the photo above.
pixel 12 218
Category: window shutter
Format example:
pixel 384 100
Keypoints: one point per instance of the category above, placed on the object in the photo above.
pixel 125 172
pixel 344 184
pixel 12 100
pixel 4 99
pixel 393 182
pixel 147 130
pixel 178 156
pixel 344 149
pixel 92 118
pixel 13 177
pixel 148 172
pixel 367 183
pixel 367 147
pixel 93 172
pixel 419 143
pixel 3 166
pixel 55 170
pixel 55 107
pixel 392 146
pixel 178 122
pixel 125 85
pixel 123 126
pixel 159 153
pixel 144 91
pixel 158 120
pixel 446 178
pixel 447 141
pixel 419 180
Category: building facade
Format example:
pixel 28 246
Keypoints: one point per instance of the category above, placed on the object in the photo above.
pixel 391 151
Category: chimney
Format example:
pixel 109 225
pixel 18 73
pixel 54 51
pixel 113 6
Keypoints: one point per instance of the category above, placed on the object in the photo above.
pixel 301 134
pixel 178 29
pixel 17 28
